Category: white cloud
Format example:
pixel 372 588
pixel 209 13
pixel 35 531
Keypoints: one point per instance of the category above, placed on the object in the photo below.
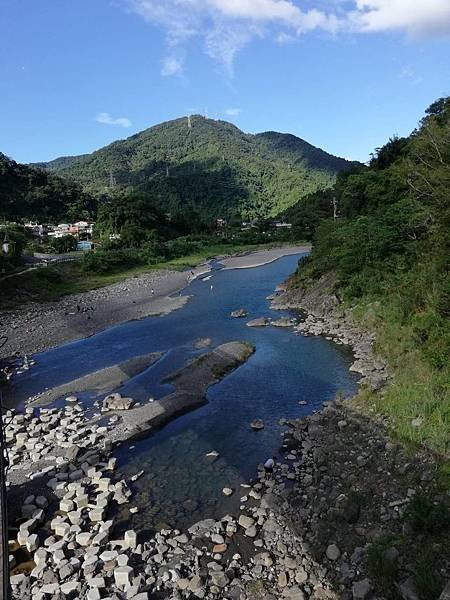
pixel 225 27
pixel 106 119
pixel 233 112
pixel 171 66
pixel 416 17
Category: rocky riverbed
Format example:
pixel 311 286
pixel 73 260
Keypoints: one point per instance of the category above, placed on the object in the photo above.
pixel 346 515
pixel 305 533
pixel 36 327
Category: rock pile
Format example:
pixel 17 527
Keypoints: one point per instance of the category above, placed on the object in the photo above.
pixel 301 535
pixel 323 316
pixel 350 488
pixel 343 331
pixel 70 533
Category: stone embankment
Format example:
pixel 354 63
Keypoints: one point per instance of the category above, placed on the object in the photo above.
pixel 325 317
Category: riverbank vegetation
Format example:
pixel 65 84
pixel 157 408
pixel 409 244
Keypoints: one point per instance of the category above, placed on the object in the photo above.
pixel 389 248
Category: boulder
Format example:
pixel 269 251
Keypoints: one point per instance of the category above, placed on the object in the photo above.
pixel 239 314
pixel 333 552
pixel 260 322
pixel 117 402
pixel 361 589
pixel 245 521
pixel 283 322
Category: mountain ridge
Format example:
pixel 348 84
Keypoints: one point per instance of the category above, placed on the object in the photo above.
pixel 202 164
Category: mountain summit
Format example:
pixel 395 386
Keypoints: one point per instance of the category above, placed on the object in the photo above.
pixel 199 164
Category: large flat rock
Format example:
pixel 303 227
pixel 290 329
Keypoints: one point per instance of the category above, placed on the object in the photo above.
pixel 191 383
pixel 102 380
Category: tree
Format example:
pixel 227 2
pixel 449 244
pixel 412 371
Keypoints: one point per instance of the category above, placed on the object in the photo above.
pixel 66 243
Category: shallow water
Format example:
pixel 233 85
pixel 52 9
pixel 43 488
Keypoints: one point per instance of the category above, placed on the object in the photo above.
pixel 180 484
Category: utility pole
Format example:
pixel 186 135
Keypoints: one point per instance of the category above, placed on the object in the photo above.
pixel 5 590
pixel 4 550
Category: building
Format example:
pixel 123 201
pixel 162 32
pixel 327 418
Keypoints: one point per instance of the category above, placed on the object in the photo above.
pixel 85 245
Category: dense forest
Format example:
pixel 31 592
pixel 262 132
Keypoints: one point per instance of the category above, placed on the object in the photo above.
pixel 28 193
pixel 389 248
pixel 207 169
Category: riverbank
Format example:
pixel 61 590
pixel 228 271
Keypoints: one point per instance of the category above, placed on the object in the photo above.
pixel 261 257
pixel 35 327
pixel 384 510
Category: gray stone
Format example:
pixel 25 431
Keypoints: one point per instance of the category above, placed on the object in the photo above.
pixel 333 552
pixel 260 322
pixel 361 589
pixel 219 579
pixel 245 521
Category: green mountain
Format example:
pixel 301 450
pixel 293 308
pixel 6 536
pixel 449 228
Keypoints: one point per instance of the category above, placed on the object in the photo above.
pixel 205 166
pixel 27 192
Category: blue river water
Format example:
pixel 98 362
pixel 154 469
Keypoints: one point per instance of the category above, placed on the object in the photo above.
pixel 181 484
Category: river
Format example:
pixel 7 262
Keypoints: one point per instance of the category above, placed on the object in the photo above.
pixel 181 484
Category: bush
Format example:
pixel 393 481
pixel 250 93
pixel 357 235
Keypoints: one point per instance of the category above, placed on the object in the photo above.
pixel 425 516
pixel 112 260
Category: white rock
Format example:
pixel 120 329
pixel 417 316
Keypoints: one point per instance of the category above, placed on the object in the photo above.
pixel 32 542
pixel 70 587
pixel 122 576
pixel 130 539
pixel 83 539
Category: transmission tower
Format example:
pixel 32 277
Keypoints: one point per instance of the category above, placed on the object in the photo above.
pixel 335 208
pixel 112 179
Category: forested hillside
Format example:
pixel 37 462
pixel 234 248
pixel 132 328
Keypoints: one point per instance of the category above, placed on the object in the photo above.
pixel 208 168
pixel 390 248
pixel 31 193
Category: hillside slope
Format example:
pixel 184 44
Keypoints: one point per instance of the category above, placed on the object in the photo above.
pixel 389 255
pixel 27 192
pixel 211 167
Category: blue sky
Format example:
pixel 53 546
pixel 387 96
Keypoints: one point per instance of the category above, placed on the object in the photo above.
pixel 76 75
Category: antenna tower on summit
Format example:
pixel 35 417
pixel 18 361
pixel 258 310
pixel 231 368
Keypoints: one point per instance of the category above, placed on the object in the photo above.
pixel 189 122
